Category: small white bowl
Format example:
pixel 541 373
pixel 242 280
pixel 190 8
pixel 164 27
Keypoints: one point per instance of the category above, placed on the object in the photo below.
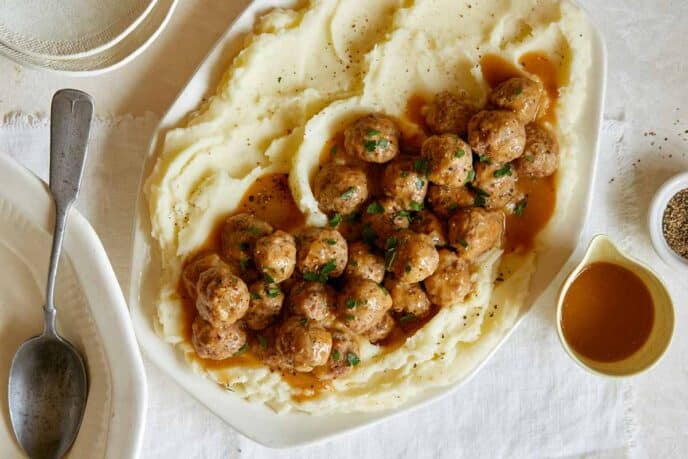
pixel 654 220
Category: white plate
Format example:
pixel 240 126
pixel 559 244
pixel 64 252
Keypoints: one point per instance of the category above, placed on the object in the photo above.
pixel 92 314
pixel 68 29
pixel 256 421
pixel 109 58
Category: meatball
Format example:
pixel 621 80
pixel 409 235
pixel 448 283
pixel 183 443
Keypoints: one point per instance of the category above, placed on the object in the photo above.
pixel 216 342
pixel 522 96
pixel 264 306
pixel 426 222
pixel 414 257
pixel 497 184
pixel 194 268
pixel 363 264
pixel 322 253
pixel 445 201
pixel 408 298
pixel 451 282
pixel 344 356
pixel 404 183
pixel 313 300
pixel 362 303
pixel 476 231
pixel 238 239
pixel 221 297
pixel 383 219
pixel 275 255
pixel 340 188
pixel 497 135
pixel 448 114
pixel 450 160
pixel 303 343
pixel 381 329
pixel 373 138
pixel 541 155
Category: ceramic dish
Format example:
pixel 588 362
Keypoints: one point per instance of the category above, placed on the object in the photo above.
pixel 92 315
pixel 118 54
pixel 291 429
pixel 655 217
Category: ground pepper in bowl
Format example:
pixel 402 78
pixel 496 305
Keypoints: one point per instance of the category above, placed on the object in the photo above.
pixel 675 223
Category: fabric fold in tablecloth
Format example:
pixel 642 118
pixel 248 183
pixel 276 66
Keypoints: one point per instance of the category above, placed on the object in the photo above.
pixel 530 400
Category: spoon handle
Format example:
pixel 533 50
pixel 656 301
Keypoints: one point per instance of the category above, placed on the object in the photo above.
pixel 70 122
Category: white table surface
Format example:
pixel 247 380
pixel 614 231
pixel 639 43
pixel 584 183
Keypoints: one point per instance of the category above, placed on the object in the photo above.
pixel 646 100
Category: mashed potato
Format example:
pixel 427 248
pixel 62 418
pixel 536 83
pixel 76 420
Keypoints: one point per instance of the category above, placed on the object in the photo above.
pixel 304 75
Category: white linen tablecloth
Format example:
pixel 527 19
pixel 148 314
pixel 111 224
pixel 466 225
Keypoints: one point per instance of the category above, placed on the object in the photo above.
pixel 530 400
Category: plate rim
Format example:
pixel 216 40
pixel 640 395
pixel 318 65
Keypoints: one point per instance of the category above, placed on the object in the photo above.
pixel 171 118
pixel 100 287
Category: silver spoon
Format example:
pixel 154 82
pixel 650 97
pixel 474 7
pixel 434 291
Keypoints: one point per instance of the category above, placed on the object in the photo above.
pixel 48 385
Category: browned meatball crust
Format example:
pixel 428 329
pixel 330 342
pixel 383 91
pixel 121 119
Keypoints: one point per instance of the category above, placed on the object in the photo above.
pixel 313 300
pixel 373 138
pixel 541 155
pixel 264 306
pixel 321 251
pixel 381 329
pixel 497 135
pixel 193 269
pixel 362 303
pixel 523 96
pixel 340 188
pixel 303 343
pixel 426 222
pixel 344 356
pixel 221 297
pixel 450 160
pixel 275 255
pixel 414 258
pixel 451 282
pixel 498 183
pixel 476 231
pixel 238 240
pixel 446 201
pixel 402 182
pixel 216 342
pixel 449 114
pixel 364 264
pixel 408 298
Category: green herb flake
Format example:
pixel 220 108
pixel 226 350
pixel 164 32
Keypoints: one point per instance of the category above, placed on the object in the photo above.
pixel 330 241
pixel 421 165
pixel 530 158
pixel 304 322
pixel 311 277
pixel 262 341
pixel 352 359
pixel 391 243
pixel 373 132
pixel 416 206
pixel 349 317
pixel 243 264
pixel 242 350
pixel 520 207
pixel 452 206
pixel 479 201
pixel 267 278
pixel 351 303
pixel 255 296
pixel 518 90
pixel 348 193
pixel 462 242
pixel 335 220
pixel 279 79
pixel 382 143
pixel 333 150
pixel 370 145
pixel 404 174
pixel 336 356
pixel 483 159
pixel 459 153
pixel 402 214
pixel 375 208
pixel 384 289
pixel 368 234
pixel 328 267
pixel 407 268
pixel 406 318
pixel 470 176
pixel 255 231
pixel 504 171
pixel 390 255
pixel 273 292
pixel 420 183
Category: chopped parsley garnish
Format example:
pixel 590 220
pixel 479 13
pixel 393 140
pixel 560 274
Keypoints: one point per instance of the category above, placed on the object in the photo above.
pixel 404 174
pixel 348 193
pixel 330 241
pixel 368 234
pixel 333 150
pixel 304 322
pixel 243 264
pixel 384 289
pixel 470 176
pixel 255 231
pixel 351 303
pixel 373 132
pixel 267 278
pixel 506 170
pixel 452 206
pixel 336 356
pixel 530 158
pixel 520 207
pixel 518 90
pixel 420 183
pixel 391 243
pixel 279 79
pixel 370 145
pixel 241 350
pixel 375 208
pixel 421 165
pixel 407 268
pixel 480 196
pixel 263 341
pixel 352 359
pixel 483 159
pixel 255 296
pixel 335 220
pixel 459 153
pixel 416 206
pixel 402 214
pixel 406 318
pixel 390 255
pixel 323 274
pixel 273 292
pixel 462 243
pixel 349 317
pixel 383 143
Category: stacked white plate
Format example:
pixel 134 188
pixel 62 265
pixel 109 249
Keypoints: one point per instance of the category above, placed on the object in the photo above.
pixel 83 37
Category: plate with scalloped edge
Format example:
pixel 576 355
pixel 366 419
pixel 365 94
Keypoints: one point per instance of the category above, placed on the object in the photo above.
pixel 290 429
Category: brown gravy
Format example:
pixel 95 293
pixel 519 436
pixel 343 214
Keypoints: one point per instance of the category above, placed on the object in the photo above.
pixel 607 313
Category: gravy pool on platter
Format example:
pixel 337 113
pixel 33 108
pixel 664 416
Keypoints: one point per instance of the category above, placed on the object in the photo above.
pixel 409 211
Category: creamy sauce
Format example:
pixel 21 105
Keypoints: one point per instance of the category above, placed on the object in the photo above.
pixel 607 313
